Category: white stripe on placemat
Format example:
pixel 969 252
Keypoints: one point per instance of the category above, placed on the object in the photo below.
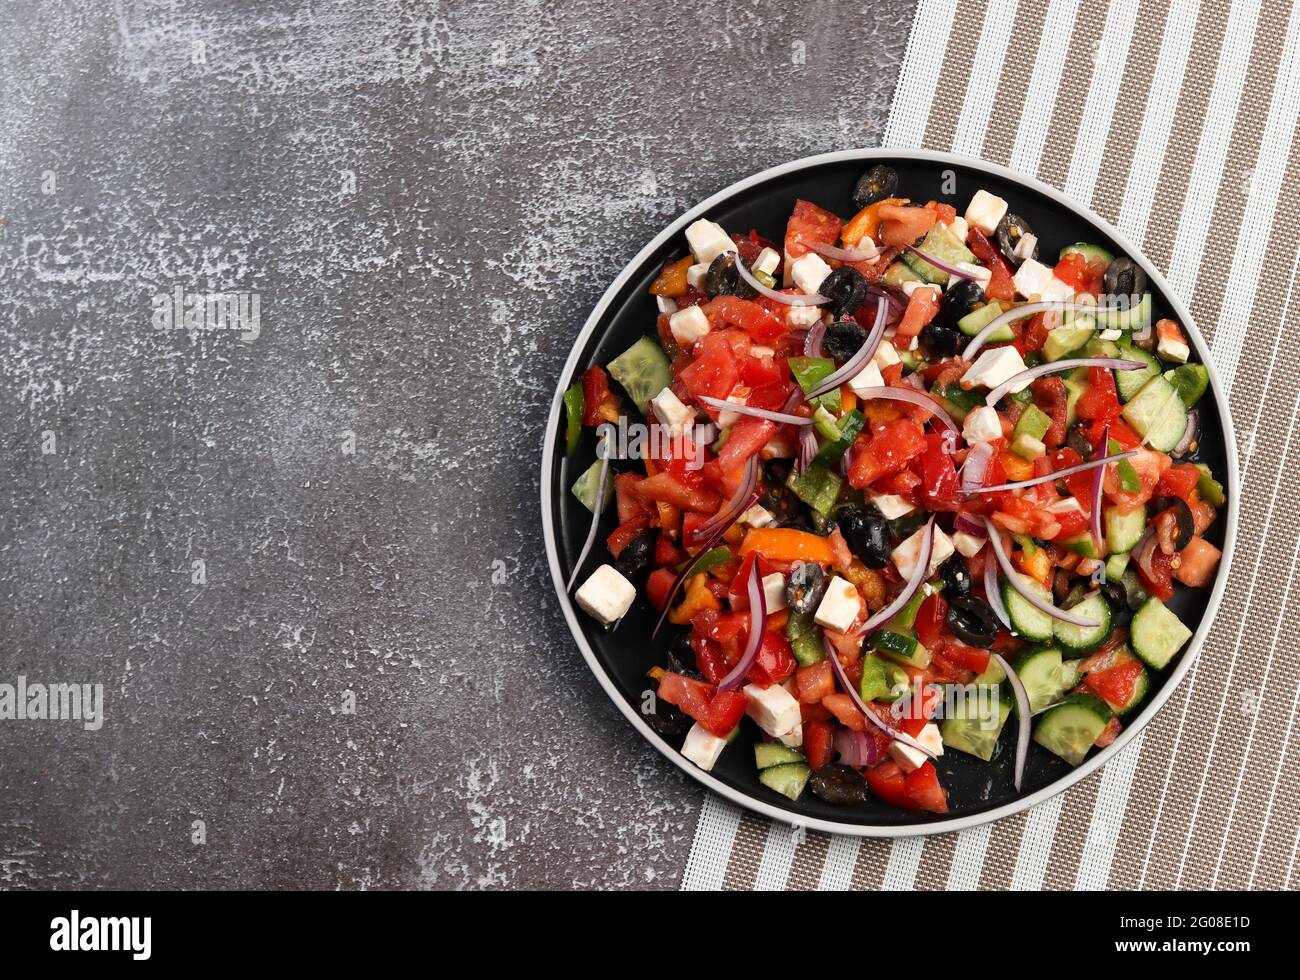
pixel 1053 44
pixel 920 73
pixel 778 853
pixel 1249 594
pixel 986 69
pixel 1108 818
pixel 1099 106
pixel 715 833
pixel 1146 172
pixel 1250 737
pixel 841 858
pixel 1036 845
pixel 904 859
pixel 968 858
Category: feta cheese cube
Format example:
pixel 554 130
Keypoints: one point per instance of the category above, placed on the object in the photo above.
pixel 985 211
pixel 885 355
pixel 968 544
pixel 708 240
pixel 906 554
pixel 607 595
pixel 728 418
pixel 1111 334
pixel 757 516
pixel 1035 279
pixel 868 377
pixel 758 350
pixel 891 505
pixel 1025 247
pixel 802 316
pixel 792 739
pixel 772 708
pixel 931 738
pixel 907 757
pixel 912 286
pixel 703 747
pixel 666 304
pixel 774 592
pixel 766 261
pixel 960 228
pixel 840 605
pixel 1173 350
pixel 980 274
pixel 688 325
pixel 1066 505
pixel 695 276
pixel 670 411
pixel 982 425
pixel 993 367
pixel 808 272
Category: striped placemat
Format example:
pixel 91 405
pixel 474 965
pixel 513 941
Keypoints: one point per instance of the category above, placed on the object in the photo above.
pixel 1176 122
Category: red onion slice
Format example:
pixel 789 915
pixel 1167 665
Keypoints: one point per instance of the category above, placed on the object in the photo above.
pixel 918 576
pixel 812 343
pixel 856 749
pixel 861 253
pixel 1145 550
pixel 1018 313
pixel 757 624
pixel 941 266
pixel 1013 576
pixel 994 594
pixel 602 450
pixel 1051 367
pixel 789 299
pixel 759 413
pixel 859 360
pixel 912 397
pixel 1098 478
pixel 685 573
pixel 807 449
pixel 976 467
pixel 735 506
pixel 1022 712
pixel 1057 475
pixel 969 525
pixel 866 712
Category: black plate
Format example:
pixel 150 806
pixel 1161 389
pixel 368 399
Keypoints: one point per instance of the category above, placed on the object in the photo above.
pixel 975 789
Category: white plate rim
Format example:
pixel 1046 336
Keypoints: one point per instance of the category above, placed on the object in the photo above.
pixel 956 823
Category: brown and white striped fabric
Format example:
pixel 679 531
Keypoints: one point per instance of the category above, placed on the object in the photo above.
pixel 1176 121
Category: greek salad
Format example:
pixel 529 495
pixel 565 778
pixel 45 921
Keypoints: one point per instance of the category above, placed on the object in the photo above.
pixel 904 454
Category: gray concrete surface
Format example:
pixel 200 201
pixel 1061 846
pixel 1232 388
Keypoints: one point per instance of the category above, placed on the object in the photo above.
pixel 426 199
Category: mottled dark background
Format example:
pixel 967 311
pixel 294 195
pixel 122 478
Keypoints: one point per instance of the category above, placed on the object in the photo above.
pixel 428 199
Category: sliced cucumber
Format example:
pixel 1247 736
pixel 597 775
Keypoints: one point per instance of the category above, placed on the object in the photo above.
pixel 1027 447
pixel 956 401
pixel 1157 414
pixel 1081 544
pixel 975 722
pixel 1064 341
pixel 1124 530
pixel 1129 383
pixel 1190 381
pixel 788 780
pixel 584 488
pixel 1210 489
pixel 1087 251
pixel 902 647
pixel 1039 670
pixel 1070 728
pixel 643 372
pixel 1115 566
pixel 1133 591
pixel 1027 620
pixel 1079 640
pixel 1157 634
pixel 943 246
pixel 976 320
pixel 1074 389
pixel 1033 422
pixel 1126 317
pixel 769 754
pixel 899 273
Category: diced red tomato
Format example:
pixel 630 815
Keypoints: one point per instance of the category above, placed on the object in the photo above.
pixel 1197 563
pixel 922 307
pixel 1179 481
pixel 1035 334
pixel 599 404
pixel 775 662
pixel 809 223
pixel 901 226
pixel 1100 401
pixel 970 658
pixel 759 371
pixel 929 625
pixel 747 437
pixel 1001 285
pixel 845 711
pixel 1159 579
pixel 917 790
pixel 818 743
pixel 917 713
pixel 714 372
pixel 750 245
pixel 665 487
pixel 814 682
pixel 939 483
pixel 625 533
pixel 1149 466
pixel 658 585
pixel 1115 685
pixel 1049 395
pixel 889 783
pixel 886 452
pixel 762 326
pixel 630 503
pixel 690 695
pixel 1084 275
pixel 667 553
pixel 723 714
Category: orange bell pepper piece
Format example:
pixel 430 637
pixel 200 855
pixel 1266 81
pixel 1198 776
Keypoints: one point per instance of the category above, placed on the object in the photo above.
pixel 786 544
pixel 698 598
pixel 1015 467
pixel 866 222
pixel 671 280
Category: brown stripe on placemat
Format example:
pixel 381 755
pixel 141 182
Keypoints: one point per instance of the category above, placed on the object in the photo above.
pixel 746 853
pixel 1013 86
pixel 932 874
pixel 1004 848
pixel 1130 108
pixel 809 858
pixel 869 869
pixel 1072 93
pixel 1071 832
pixel 1180 153
pixel 954 76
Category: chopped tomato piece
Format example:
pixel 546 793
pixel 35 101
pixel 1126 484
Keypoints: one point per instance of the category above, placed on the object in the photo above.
pixel 929 625
pixel 775 662
pixel 970 658
pixel 714 372
pixel 762 326
pixel 1149 466
pixel 1100 401
pixel 1049 395
pixel 690 695
pixel 1115 685
pixel 922 307
pixel 1179 481
pixel 599 404
pixel 902 226
pixel 814 682
pixel 1082 274
pixel 809 223
pixel 845 711
pixel 818 744
pixel 1159 579
pixel 889 783
pixel 625 533
pixel 924 791
pixel 724 713
pixel 658 584
pixel 1197 564
pixel 1001 285
pixel 667 553
pixel 939 483
pixel 747 437
pixel 885 452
